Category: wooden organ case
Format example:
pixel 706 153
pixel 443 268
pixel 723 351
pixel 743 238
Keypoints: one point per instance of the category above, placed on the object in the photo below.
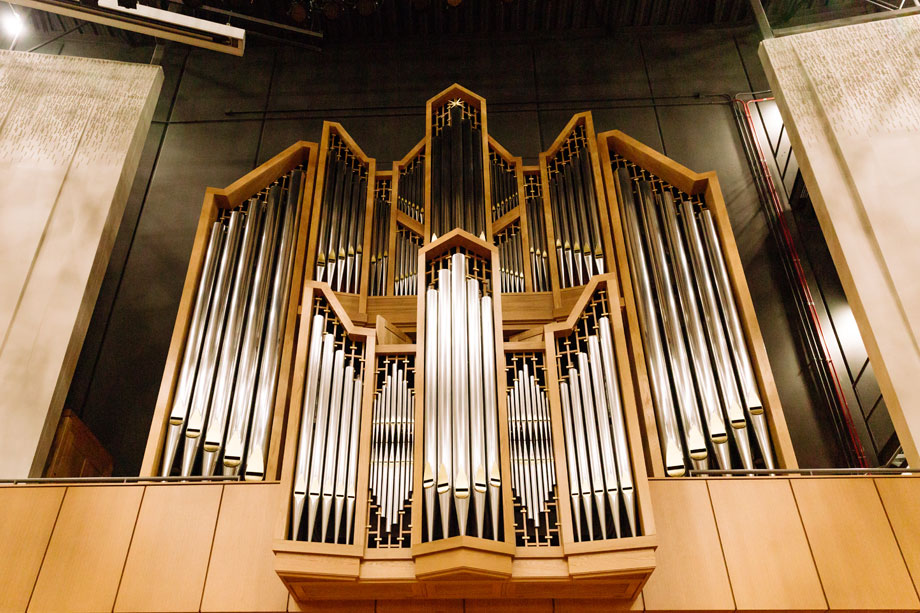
pixel 479 363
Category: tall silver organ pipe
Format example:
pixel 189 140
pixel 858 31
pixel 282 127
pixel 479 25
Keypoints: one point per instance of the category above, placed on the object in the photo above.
pixel 460 407
pixel 340 241
pixel 392 438
pixel 325 471
pixel 738 344
pixel 696 331
pixel 192 352
pixel 594 426
pixel 731 399
pixel 701 364
pixel 671 323
pixel 646 306
pixel 228 376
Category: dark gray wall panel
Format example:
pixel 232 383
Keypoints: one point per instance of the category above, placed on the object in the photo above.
pixel 690 63
pixel 215 83
pixel 587 70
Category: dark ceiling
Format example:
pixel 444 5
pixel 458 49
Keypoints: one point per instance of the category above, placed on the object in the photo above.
pixel 362 20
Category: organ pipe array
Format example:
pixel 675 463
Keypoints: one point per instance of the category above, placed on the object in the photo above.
pixel 579 250
pixel 457 191
pixel 533 192
pixel 411 194
pixel 462 470
pixel 601 483
pixel 340 243
pixel 326 471
pixel 380 238
pixel 504 186
pixel 392 445
pixel 223 403
pixel 392 450
pixel 511 258
pixel 533 469
pixel 702 382
pixel 408 244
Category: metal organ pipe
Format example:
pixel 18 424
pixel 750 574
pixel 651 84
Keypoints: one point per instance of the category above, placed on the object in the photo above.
pixel 230 365
pixel 690 282
pixel 731 399
pixel 326 466
pixel 701 364
pixel 183 393
pixel 738 344
pixel 340 243
pixel 646 307
pixel 257 454
pixel 204 381
pixel 680 363
pixel 594 426
pixel 461 427
pixel 220 401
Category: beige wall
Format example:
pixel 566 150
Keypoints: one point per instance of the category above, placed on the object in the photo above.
pixel 799 543
pixel 848 97
pixel 71 133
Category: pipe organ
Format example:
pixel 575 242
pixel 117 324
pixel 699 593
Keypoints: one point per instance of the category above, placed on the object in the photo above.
pixel 464 370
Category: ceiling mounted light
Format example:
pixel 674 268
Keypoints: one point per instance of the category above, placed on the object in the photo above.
pixel 454 2
pixel 13 24
pixel 366 8
pixel 332 9
pixel 297 12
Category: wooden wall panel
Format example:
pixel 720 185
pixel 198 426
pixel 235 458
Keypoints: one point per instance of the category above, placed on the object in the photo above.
pixel 901 499
pixel 169 553
pixel 766 552
pixel 332 606
pixel 577 605
pixel 518 605
pixel 419 606
pixel 241 576
pixel 687 539
pixel 87 551
pixel 27 516
pixel 858 559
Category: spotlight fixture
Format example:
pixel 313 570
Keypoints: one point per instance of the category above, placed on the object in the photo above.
pixel 297 12
pixel 366 7
pixel 13 24
pixel 454 3
pixel 332 9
